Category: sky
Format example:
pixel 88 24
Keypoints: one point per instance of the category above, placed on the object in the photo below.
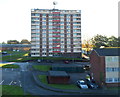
pixel 97 17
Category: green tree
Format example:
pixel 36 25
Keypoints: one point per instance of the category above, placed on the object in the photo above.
pixel 99 41
pixel 113 41
pixel 12 42
pixel 3 42
pixel 119 41
pixel 25 41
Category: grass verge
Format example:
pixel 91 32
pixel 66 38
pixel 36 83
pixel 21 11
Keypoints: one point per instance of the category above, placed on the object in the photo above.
pixel 42 67
pixel 43 79
pixel 113 88
pixel 12 90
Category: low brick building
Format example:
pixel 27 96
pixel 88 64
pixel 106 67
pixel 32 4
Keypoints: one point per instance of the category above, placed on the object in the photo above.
pixel 15 47
pixel 105 66
pixel 58 77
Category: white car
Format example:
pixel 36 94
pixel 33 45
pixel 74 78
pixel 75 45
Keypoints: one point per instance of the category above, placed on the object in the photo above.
pixel 82 84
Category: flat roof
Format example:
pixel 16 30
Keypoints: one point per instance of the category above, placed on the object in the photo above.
pixel 58 73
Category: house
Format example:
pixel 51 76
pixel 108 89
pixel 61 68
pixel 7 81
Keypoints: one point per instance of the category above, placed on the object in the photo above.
pixel 105 66
pixel 58 77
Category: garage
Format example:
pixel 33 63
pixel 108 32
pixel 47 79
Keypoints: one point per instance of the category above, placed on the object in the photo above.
pixel 58 77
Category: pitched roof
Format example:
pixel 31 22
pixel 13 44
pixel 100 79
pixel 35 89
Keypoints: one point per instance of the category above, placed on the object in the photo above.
pixel 108 51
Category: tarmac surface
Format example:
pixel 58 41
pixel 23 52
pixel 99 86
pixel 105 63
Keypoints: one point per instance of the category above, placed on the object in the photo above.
pixel 26 78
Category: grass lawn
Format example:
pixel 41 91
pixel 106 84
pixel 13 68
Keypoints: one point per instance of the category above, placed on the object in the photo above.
pixel 42 67
pixel 10 66
pixel 16 56
pixel 113 88
pixel 12 90
pixel 43 79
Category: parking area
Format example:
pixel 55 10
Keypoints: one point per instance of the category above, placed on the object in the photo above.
pixel 76 76
pixel 10 76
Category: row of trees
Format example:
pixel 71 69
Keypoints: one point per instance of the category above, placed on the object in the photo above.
pixel 99 41
pixel 23 41
pixel 96 42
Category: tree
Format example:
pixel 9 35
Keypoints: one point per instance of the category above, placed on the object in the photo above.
pixel 25 41
pixel 119 41
pixel 113 41
pixel 99 41
pixel 3 42
pixel 12 42
pixel 87 45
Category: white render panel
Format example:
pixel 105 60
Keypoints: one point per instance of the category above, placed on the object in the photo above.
pixel 112 62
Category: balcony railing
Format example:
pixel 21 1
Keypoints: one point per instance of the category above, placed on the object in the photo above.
pixel 56 47
pixel 56 35
pixel 56 12
pixel 56 43
pixel 56 51
pixel 56 20
pixel 56 28
pixel 56 16
pixel 56 39
pixel 56 24
pixel 56 32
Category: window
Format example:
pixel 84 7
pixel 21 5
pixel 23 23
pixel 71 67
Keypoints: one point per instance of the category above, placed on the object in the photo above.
pixel 112 80
pixel 109 80
pixel 113 69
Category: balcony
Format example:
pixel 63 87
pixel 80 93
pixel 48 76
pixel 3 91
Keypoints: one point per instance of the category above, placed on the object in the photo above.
pixel 56 39
pixel 56 24
pixel 56 12
pixel 56 20
pixel 56 35
pixel 56 16
pixel 56 28
pixel 56 47
pixel 56 43
pixel 56 32
pixel 56 51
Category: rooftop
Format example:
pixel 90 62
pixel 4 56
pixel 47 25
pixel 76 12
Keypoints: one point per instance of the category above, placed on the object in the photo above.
pixel 108 51
pixel 58 73
pixel 15 45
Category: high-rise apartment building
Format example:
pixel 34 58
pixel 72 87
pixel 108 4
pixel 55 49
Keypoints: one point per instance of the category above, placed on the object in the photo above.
pixel 55 33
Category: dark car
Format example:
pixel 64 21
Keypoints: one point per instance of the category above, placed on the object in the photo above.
pixel 91 84
pixel 49 61
pixel 66 62
pixel 4 53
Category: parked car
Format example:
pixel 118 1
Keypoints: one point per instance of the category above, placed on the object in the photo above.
pixel 38 60
pixel 82 84
pixel 91 84
pixel 66 62
pixel 4 53
pixel 49 61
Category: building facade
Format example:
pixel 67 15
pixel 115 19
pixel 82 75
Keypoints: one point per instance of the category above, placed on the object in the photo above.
pixel 55 33
pixel 105 66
